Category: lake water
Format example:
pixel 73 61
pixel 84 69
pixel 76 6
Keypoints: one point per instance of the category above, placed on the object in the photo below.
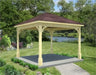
pixel 65 39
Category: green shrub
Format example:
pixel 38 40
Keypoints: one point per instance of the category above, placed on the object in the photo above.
pixel 10 70
pixel 23 63
pixel 5 41
pixel 15 60
pixel 29 39
pixel 32 67
pixel 2 63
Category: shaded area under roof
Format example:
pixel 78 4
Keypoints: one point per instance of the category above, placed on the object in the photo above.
pixel 49 17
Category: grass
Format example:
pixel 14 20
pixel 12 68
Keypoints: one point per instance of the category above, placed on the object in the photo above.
pixel 88 52
pixel 1 70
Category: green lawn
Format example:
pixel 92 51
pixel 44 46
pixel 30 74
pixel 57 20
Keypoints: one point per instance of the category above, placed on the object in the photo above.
pixel 88 52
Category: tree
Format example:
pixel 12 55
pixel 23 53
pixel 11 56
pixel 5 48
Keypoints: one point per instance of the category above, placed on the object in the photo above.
pixel 10 16
pixel 2 24
pixel 90 29
pixel 80 4
pixel 85 13
pixel 44 5
pixel 83 8
pixel 8 13
pixel 35 6
pixel 13 12
pixel 66 8
pixel 94 8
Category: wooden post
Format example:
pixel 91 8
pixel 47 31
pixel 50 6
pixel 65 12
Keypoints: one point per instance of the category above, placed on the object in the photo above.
pixel 40 30
pixel 18 52
pixel 40 59
pixel 51 36
pixel 79 43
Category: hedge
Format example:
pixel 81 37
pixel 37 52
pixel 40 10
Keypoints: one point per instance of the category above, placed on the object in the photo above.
pixel 30 66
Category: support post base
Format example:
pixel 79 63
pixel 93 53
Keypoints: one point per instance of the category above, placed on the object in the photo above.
pixel 17 55
pixel 79 56
pixel 40 61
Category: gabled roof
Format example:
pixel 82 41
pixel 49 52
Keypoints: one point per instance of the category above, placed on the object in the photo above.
pixel 50 17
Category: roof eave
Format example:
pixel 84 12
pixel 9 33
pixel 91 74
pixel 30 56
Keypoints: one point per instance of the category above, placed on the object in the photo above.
pixel 20 25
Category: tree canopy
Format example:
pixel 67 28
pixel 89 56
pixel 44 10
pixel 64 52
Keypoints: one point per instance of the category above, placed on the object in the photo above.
pixel 13 12
pixel 84 12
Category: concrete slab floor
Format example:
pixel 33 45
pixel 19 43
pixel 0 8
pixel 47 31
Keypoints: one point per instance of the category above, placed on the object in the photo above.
pixel 49 60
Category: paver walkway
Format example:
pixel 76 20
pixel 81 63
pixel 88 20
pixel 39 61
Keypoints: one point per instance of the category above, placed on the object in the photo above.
pixel 71 69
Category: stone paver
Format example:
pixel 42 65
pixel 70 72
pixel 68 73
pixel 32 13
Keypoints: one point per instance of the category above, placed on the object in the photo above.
pixel 71 69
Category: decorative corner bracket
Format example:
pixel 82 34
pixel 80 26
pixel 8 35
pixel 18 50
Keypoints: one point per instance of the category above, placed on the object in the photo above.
pixel 78 29
pixel 41 28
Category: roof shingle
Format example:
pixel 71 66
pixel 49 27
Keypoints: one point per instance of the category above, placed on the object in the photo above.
pixel 50 17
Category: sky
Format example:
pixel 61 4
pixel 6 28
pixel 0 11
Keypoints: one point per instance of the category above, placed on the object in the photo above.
pixel 56 1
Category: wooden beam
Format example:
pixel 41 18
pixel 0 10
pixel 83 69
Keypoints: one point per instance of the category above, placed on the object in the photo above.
pixel 57 28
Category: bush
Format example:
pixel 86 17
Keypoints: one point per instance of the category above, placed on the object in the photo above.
pixel 29 39
pixel 32 67
pixel 23 63
pixel 5 41
pixel 10 70
pixel 2 63
pixel 15 60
